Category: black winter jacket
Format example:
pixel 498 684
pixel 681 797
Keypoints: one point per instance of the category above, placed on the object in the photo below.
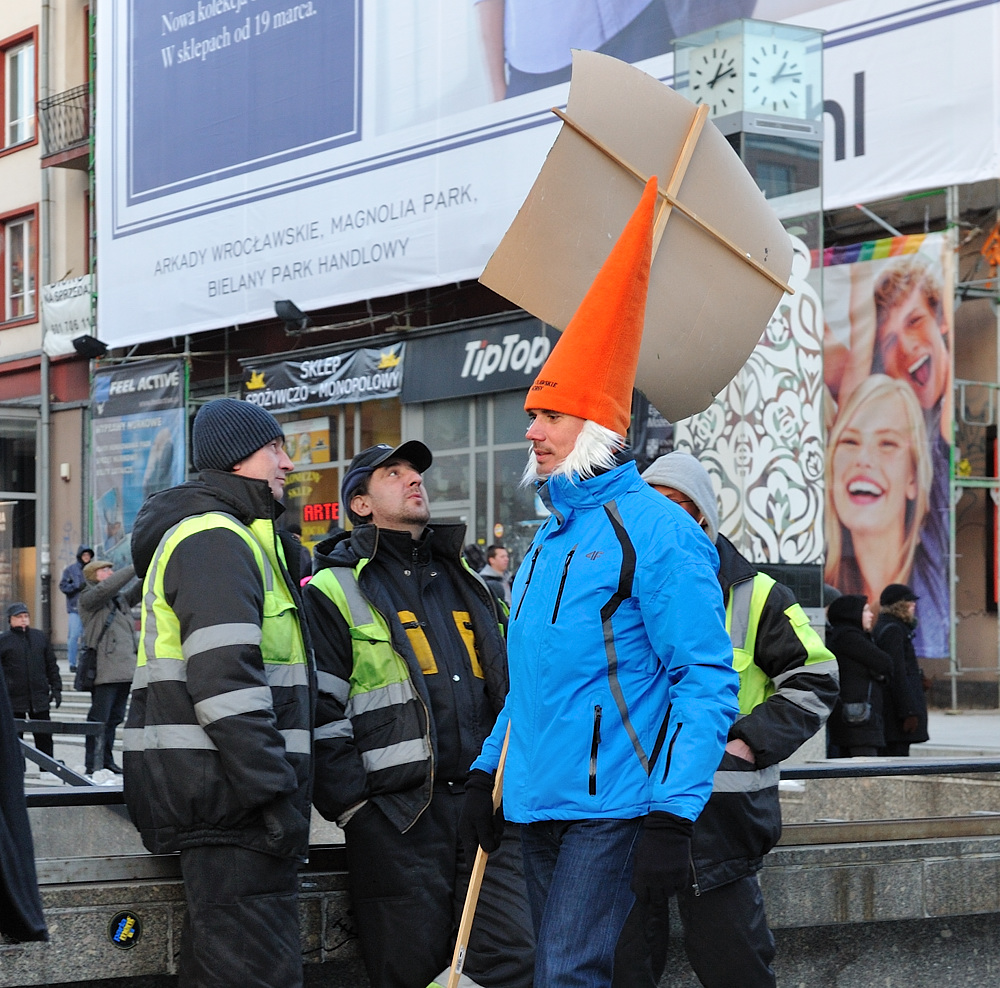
pixel 29 668
pixel 736 829
pixel 252 786
pixel 862 665
pixel 906 698
pixel 342 781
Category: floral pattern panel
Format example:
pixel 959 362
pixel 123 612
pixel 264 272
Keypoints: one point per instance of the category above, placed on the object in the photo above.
pixel 762 438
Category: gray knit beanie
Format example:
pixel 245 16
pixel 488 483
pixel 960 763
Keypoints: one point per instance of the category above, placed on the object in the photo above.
pixel 684 473
pixel 227 431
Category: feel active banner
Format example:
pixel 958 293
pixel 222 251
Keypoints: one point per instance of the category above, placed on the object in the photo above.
pixel 333 150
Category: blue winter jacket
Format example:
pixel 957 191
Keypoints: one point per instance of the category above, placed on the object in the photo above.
pixel 622 687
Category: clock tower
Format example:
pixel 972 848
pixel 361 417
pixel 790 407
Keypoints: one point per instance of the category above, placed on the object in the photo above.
pixel 763 85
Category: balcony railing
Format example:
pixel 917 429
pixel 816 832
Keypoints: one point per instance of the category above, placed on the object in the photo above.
pixel 64 124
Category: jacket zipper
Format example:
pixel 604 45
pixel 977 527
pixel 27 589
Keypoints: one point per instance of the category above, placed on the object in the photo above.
pixel 594 742
pixel 527 582
pixel 562 584
pixel 670 751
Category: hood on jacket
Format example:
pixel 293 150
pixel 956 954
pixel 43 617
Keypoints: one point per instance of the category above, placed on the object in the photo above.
pixel 847 609
pixel 216 490
pixel 81 550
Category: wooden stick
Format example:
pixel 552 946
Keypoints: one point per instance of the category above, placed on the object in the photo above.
pixel 476 880
pixel 675 203
pixel 680 170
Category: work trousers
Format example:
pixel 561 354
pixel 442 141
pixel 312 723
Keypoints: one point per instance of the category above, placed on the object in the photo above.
pixel 726 938
pixel 107 707
pixel 408 890
pixel 43 742
pixel 241 929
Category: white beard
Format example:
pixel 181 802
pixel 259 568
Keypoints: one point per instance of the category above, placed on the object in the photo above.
pixel 594 450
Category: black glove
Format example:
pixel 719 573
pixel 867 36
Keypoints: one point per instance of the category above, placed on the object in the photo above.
pixel 663 857
pixel 480 825
pixel 57 700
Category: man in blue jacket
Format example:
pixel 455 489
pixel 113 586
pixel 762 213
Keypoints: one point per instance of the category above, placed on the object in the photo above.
pixel 71 584
pixel 622 689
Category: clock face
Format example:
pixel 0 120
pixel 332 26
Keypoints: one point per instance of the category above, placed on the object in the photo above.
pixel 776 78
pixel 715 73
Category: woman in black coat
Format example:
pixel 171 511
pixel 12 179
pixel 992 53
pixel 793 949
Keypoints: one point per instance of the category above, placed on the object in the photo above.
pixel 904 707
pixel 864 669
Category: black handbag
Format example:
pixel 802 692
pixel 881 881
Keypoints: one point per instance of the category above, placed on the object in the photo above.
pixel 858 713
pixel 86 661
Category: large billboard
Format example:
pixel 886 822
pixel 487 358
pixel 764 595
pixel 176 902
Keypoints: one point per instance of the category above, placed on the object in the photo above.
pixel 334 150
pixel 888 373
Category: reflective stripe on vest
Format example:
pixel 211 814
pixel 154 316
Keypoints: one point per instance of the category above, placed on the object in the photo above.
pixel 743 610
pixel 163 656
pixel 380 676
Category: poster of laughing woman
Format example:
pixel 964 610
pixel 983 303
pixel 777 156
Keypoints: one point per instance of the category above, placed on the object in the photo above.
pixel 888 373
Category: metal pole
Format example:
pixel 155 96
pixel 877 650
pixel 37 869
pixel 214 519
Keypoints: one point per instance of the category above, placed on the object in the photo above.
pixel 44 436
pixel 954 491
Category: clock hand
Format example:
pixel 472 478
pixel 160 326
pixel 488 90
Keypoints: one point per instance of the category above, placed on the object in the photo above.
pixel 778 76
pixel 719 76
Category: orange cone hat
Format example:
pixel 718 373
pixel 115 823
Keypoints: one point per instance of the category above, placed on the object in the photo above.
pixel 591 370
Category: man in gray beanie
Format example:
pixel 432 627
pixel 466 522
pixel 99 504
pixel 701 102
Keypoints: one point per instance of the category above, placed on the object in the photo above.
pixel 218 741
pixel 788 685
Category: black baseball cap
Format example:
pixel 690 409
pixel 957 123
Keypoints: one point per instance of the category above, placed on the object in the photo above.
pixel 368 460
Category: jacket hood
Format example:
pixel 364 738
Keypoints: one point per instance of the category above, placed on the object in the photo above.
pixel 847 609
pixel 362 542
pixel 215 490
pixel 81 550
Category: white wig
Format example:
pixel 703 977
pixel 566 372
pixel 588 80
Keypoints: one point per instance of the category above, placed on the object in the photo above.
pixel 593 451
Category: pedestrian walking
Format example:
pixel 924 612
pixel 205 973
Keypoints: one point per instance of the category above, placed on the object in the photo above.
pixel 71 584
pixel 30 671
pixel 109 629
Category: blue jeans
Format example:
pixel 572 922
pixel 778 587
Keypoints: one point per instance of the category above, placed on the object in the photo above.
pixel 578 874
pixel 73 637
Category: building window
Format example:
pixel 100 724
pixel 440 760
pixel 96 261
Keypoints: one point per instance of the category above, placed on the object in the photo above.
pixel 19 92
pixel 18 250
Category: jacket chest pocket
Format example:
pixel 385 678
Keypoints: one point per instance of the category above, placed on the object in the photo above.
pixel 278 629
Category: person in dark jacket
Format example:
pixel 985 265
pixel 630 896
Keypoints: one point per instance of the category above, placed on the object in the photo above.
pixel 788 685
pixel 71 584
pixel 30 671
pixel 494 572
pixel 412 673
pixel 218 741
pixel 864 672
pixel 904 704
pixel 108 627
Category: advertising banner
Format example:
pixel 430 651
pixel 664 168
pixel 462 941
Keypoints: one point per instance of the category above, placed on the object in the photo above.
pixel 139 446
pixel 336 150
pixel 66 314
pixel 284 385
pixel 484 360
pixel 888 374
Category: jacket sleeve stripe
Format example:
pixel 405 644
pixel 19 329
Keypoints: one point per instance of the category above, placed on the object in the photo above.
pixel 160 670
pixel 297 741
pixel 395 754
pixel 220 636
pixel 807 700
pixel 763 778
pixel 333 686
pixel 216 708
pixel 827 667
pixel 174 736
pixel 335 729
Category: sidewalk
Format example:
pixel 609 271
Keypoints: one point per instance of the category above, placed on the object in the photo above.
pixel 969 732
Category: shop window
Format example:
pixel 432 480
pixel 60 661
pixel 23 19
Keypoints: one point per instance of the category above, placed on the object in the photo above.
pixel 19 90
pixel 17 245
